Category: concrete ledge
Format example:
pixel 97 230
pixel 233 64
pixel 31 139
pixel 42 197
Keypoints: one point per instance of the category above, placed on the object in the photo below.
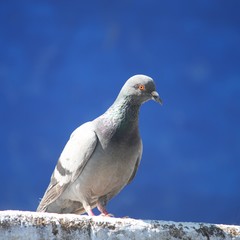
pixel 31 225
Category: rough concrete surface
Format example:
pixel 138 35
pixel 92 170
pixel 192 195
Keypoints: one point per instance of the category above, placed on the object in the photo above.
pixel 31 225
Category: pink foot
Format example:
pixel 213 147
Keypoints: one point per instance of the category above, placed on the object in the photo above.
pixel 106 215
pixel 90 213
pixel 103 211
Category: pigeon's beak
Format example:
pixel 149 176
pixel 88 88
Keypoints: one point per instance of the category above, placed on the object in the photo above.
pixel 155 97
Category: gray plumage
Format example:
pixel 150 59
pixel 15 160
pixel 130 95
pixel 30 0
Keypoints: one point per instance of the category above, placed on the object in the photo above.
pixel 101 156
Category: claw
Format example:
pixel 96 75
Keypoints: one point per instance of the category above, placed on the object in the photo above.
pixel 106 215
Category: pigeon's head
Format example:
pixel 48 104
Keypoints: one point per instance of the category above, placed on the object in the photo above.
pixel 140 88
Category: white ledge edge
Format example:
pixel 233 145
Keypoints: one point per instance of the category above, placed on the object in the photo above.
pixel 35 226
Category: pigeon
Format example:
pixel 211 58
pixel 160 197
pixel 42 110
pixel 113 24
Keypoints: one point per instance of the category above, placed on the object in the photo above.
pixel 102 156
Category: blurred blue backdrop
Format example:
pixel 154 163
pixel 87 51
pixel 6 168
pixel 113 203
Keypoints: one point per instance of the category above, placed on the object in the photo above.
pixel 63 63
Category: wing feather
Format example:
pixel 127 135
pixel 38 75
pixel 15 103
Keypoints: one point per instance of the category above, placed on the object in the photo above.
pixel 71 163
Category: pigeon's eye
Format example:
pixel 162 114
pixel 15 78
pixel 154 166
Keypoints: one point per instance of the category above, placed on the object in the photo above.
pixel 141 87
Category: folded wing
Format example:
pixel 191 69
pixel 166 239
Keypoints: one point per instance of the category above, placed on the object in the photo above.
pixel 75 155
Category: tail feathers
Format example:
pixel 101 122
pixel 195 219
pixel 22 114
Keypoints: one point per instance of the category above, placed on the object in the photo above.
pixel 41 207
pixel 64 206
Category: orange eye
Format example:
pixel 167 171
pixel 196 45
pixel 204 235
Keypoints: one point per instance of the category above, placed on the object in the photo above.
pixel 141 87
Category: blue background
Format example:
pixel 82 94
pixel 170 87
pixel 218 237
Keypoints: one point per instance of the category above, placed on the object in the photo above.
pixel 62 63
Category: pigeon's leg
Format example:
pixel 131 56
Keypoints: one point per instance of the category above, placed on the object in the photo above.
pixel 101 205
pixel 88 209
pixel 90 213
pixel 102 209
